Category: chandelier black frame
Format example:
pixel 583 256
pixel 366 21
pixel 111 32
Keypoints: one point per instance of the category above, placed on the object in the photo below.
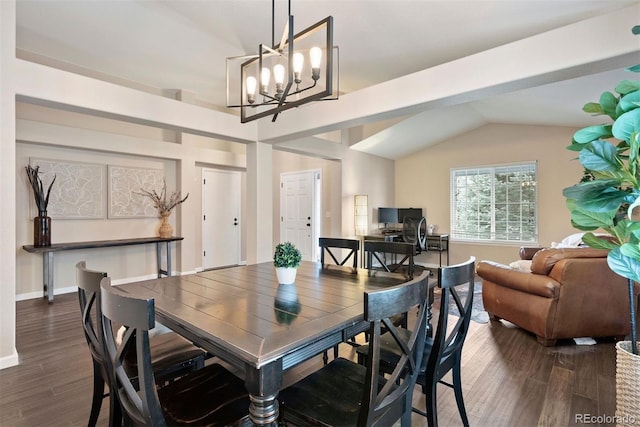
pixel 297 89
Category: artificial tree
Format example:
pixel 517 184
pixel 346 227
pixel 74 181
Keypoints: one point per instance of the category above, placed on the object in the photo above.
pixel 610 198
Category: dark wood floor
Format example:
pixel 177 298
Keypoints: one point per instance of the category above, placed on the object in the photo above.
pixel 508 378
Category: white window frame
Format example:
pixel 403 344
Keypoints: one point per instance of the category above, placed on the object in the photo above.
pixel 495 236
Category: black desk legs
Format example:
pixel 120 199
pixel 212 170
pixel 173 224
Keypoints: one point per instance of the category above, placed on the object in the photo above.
pixel 47 275
pixel 162 271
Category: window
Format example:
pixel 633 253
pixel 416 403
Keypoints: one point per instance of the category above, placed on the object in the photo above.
pixel 494 203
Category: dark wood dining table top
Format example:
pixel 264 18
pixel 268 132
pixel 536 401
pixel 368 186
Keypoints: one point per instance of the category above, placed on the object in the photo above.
pixel 240 310
pixel 243 316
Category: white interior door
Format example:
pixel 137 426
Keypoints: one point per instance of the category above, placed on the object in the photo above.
pixel 221 204
pixel 299 207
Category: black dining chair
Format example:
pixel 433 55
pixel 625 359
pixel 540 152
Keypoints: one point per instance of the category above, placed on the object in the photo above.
pixel 328 243
pixel 393 257
pixel 443 353
pixel 211 396
pixel 344 393
pixel 174 356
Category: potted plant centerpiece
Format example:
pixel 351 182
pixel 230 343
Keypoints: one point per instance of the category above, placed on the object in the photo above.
pixel 286 259
pixel 164 206
pixel 608 198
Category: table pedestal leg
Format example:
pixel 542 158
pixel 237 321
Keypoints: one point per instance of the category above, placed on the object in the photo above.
pixel 264 410
pixel 263 385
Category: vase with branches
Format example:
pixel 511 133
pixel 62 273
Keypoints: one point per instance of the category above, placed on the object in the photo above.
pixel 41 223
pixel 164 205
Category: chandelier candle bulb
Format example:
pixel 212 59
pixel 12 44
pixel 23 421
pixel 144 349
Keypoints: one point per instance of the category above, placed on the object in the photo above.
pixel 278 75
pixel 265 76
pixel 251 89
pixel 298 63
pixel 316 59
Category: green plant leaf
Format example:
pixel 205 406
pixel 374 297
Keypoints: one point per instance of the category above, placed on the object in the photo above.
pixel 598 242
pixel 628 86
pixel 600 156
pixel 608 103
pixel 575 146
pixel 624 265
pixel 629 102
pixel 591 133
pixel 626 125
pixel 634 69
pixel 586 220
pixel 589 189
pixel 593 108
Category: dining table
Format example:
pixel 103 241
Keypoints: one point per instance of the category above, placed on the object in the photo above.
pixel 246 318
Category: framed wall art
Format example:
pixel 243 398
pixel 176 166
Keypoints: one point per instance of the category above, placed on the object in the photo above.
pixel 79 191
pixel 125 183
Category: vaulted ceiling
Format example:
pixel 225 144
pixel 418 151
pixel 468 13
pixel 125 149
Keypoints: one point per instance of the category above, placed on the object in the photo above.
pixel 173 45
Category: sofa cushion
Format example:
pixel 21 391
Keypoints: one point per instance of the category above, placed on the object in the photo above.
pixel 521 265
pixel 544 260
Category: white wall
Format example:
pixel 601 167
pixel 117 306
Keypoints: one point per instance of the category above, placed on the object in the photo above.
pixel 8 247
pixel 422 180
pixel 60 135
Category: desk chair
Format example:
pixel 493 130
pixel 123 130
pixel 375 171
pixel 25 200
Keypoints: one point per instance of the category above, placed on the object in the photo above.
pixel 344 393
pixel 174 356
pixel 443 353
pixel 327 243
pixel 211 396
pixel 414 231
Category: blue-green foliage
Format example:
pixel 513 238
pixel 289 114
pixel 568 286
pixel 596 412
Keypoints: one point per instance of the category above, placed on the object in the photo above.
pixel 286 255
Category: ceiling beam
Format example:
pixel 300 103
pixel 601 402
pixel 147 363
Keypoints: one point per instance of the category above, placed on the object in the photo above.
pixel 591 46
pixel 50 87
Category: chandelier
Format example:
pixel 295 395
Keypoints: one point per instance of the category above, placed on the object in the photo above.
pixel 301 68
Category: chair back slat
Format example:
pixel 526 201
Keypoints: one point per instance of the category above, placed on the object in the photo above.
pixel 386 400
pixel 88 282
pixel 141 407
pixel 376 250
pixel 327 243
pixel 446 352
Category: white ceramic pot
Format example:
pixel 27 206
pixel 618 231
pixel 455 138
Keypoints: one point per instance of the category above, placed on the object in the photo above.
pixel 286 275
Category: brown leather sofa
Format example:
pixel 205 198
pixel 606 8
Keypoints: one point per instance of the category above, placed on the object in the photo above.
pixel 569 293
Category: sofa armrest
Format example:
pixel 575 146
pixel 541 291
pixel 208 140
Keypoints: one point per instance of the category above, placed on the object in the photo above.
pixel 530 283
pixel 528 252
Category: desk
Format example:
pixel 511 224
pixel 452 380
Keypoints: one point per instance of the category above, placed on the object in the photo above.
pixel 440 243
pixel 48 251
pixel 234 314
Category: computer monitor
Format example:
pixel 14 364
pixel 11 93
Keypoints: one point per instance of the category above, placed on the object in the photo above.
pixel 388 215
pixel 413 213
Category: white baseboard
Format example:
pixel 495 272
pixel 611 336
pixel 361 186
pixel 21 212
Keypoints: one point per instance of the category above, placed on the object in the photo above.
pixel 72 289
pixel 40 294
pixel 9 361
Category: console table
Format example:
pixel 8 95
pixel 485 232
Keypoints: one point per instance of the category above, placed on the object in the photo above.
pixel 48 251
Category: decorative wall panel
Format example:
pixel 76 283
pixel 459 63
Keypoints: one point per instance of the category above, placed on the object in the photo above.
pixel 124 183
pixel 79 191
